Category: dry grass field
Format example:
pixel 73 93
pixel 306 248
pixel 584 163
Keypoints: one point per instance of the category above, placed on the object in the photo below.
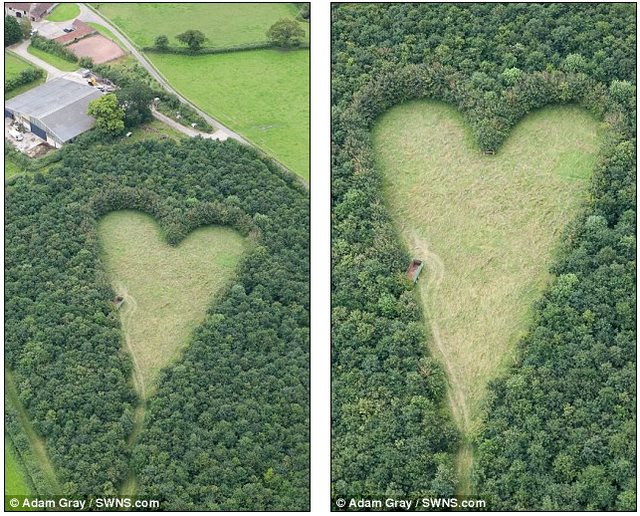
pixel 167 290
pixel 487 227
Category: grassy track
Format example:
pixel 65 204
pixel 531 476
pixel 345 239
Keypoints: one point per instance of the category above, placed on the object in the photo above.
pixel 154 130
pixel 63 12
pixel 11 168
pixel 13 65
pixel 486 226
pixel 224 24
pixel 38 446
pixel 56 61
pixel 261 94
pixel 166 289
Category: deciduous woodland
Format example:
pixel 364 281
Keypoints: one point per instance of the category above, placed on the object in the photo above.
pixel 227 425
pixel 557 429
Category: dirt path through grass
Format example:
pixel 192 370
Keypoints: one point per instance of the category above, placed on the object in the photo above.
pixel 166 290
pixel 486 228
pixel 434 271
pixel 127 312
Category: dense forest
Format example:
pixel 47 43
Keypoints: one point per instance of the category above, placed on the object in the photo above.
pixel 228 427
pixel 559 427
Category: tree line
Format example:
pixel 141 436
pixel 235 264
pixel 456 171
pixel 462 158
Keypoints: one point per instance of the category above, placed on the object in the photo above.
pixel 284 33
pixel 557 433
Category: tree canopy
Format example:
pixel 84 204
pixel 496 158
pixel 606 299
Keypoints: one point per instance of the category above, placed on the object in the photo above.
pixel 108 113
pixel 558 430
pixel 135 100
pixel 192 38
pixel 12 31
pixel 286 33
pixel 161 41
pixel 228 427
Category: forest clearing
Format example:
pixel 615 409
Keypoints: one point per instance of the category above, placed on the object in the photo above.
pixel 494 143
pixel 486 227
pixel 167 290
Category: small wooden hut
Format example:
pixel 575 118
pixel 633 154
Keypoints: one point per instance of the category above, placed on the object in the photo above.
pixel 414 270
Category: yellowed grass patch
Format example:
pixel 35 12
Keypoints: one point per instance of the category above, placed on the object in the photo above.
pixel 486 226
pixel 167 290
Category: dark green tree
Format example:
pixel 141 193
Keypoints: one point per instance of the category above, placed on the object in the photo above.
pixel 108 113
pixel 161 42
pixel 12 31
pixel 192 38
pixel 136 100
pixel 286 33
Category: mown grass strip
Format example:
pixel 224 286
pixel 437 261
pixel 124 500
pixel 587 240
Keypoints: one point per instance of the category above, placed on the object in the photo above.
pixel 58 62
pixel 37 444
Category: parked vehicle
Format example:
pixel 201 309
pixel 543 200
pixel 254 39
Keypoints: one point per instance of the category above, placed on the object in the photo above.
pixel 17 135
pixel 68 29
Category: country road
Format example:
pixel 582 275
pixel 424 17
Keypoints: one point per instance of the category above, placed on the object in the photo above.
pixel 221 132
pixel 89 15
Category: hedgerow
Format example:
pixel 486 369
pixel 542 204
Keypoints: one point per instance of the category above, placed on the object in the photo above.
pixel 24 77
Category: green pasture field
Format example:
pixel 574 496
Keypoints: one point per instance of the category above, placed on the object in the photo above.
pixel 261 94
pixel 15 477
pixel 11 168
pixel 64 12
pixel 166 289
pixel 56 61
pixel 13 65
pixel 485 226
pixel 224 24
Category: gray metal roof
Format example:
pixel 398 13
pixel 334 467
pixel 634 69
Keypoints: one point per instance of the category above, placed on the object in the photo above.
pixel 61 105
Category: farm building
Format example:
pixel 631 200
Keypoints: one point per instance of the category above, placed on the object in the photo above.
pixel 30 11
pixel 80 30
pixel 55 111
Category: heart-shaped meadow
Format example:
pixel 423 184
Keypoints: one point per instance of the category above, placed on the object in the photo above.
pixel 485 226
pixel 166 290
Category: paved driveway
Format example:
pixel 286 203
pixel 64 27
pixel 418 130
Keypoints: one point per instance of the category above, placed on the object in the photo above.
pixel 50 30
pixel 88 15
pixel 21 50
